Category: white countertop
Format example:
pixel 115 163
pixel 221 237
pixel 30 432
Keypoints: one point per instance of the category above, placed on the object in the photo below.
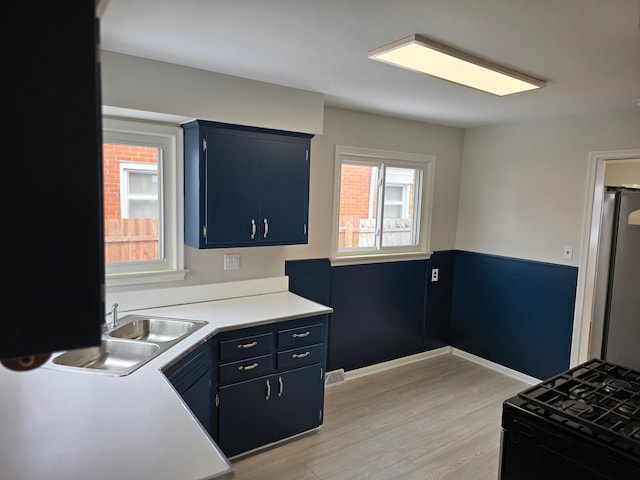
pixel 63 425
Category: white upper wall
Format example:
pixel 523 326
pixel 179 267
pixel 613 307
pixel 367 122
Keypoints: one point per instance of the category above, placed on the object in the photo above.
pixel 358 129
pixel 524 185
pixel 172 93
pixel 515 190
pixel 150 86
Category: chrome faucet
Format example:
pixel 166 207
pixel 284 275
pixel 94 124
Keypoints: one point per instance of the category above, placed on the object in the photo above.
pixel 114 318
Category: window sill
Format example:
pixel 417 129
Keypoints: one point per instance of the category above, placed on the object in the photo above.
pixel 123 279
pixel 379 258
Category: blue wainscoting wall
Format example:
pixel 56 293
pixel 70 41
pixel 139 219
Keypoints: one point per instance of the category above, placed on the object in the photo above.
pixel 381 311
pixel 513 312
pixel 310 279
pixel 378 313
pixel 438 301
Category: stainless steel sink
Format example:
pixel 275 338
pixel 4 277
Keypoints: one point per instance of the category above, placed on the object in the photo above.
pixel 112 356
pixel 154 329
pixel 129 346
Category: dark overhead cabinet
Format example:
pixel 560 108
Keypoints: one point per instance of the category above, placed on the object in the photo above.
pixel 245 186
pixel 52 174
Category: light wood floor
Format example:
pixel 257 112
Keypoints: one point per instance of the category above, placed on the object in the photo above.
pixel 434 419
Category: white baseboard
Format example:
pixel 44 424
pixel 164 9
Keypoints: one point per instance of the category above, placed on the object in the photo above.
pixel 380 367
pixel 495 366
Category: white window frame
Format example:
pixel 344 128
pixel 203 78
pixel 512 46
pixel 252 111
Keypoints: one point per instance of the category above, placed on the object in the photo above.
pixel 144 168
pixel 169 140
pixel 424 163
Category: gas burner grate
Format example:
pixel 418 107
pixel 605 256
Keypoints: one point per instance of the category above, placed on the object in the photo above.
pixel 596 396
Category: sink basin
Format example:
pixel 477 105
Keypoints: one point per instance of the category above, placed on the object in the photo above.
pixel 112 356
pixel 136 341
pixel 151 329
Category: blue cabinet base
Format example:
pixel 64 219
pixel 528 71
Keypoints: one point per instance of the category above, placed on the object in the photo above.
pixel 269 383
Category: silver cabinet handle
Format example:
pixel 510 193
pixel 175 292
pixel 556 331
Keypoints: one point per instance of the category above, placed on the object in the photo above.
pixel 301 355
pixel 301 335
pixel 268 389
pixel 266 228
pixel 247 345
pixel 247 367
pixel 253 229
pixel 280 382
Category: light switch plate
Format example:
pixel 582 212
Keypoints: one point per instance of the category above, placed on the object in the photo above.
pixel 567 252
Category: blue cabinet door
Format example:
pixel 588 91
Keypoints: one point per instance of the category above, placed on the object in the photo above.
pixel 257 412
pixel 232 188
pixel 299 401
pixel 191 376
pixel 245 418
pixel 198 399
pixel 284 183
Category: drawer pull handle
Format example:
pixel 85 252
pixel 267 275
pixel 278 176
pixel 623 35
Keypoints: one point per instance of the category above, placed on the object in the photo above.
pixel 248 345
pixel 301 335
pixel 281 386
pixel 301 355
pixel 268 390
pixel 248 367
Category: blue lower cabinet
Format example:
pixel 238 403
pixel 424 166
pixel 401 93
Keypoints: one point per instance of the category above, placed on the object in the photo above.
pixel 191 376
pixel 244 415
pixel 267 398
pixel 264 410
pixel 299 401
pixel 198 399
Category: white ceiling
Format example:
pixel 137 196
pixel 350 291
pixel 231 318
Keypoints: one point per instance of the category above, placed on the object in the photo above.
pixel 587 50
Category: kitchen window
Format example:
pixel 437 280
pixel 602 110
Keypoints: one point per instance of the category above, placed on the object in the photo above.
pixel 141 191
pixel 382 205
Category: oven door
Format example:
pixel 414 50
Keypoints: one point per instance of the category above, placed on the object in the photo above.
pixel 534 449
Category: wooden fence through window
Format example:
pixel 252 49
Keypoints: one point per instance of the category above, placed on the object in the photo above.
pixel 130 239
pixel 396 232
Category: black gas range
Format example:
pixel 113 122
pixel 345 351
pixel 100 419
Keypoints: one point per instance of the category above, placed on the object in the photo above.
pixel 581 424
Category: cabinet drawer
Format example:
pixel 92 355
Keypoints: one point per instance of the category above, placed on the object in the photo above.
pixel 245 369
pixel 294 337
pixel 246 347
pixel 299 357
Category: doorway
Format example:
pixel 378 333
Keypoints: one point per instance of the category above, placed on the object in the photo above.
pixel 586 332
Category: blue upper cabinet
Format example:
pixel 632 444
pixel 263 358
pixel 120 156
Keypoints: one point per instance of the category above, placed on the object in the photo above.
pixel 245 186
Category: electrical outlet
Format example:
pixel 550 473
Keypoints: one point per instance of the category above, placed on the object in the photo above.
pixel 567 252
pixel 435 274
pixel 232 261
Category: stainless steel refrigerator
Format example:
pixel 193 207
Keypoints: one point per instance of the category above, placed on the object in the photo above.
pixel 617 300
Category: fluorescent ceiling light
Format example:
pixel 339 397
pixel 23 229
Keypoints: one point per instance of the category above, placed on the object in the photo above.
pixel 415 52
